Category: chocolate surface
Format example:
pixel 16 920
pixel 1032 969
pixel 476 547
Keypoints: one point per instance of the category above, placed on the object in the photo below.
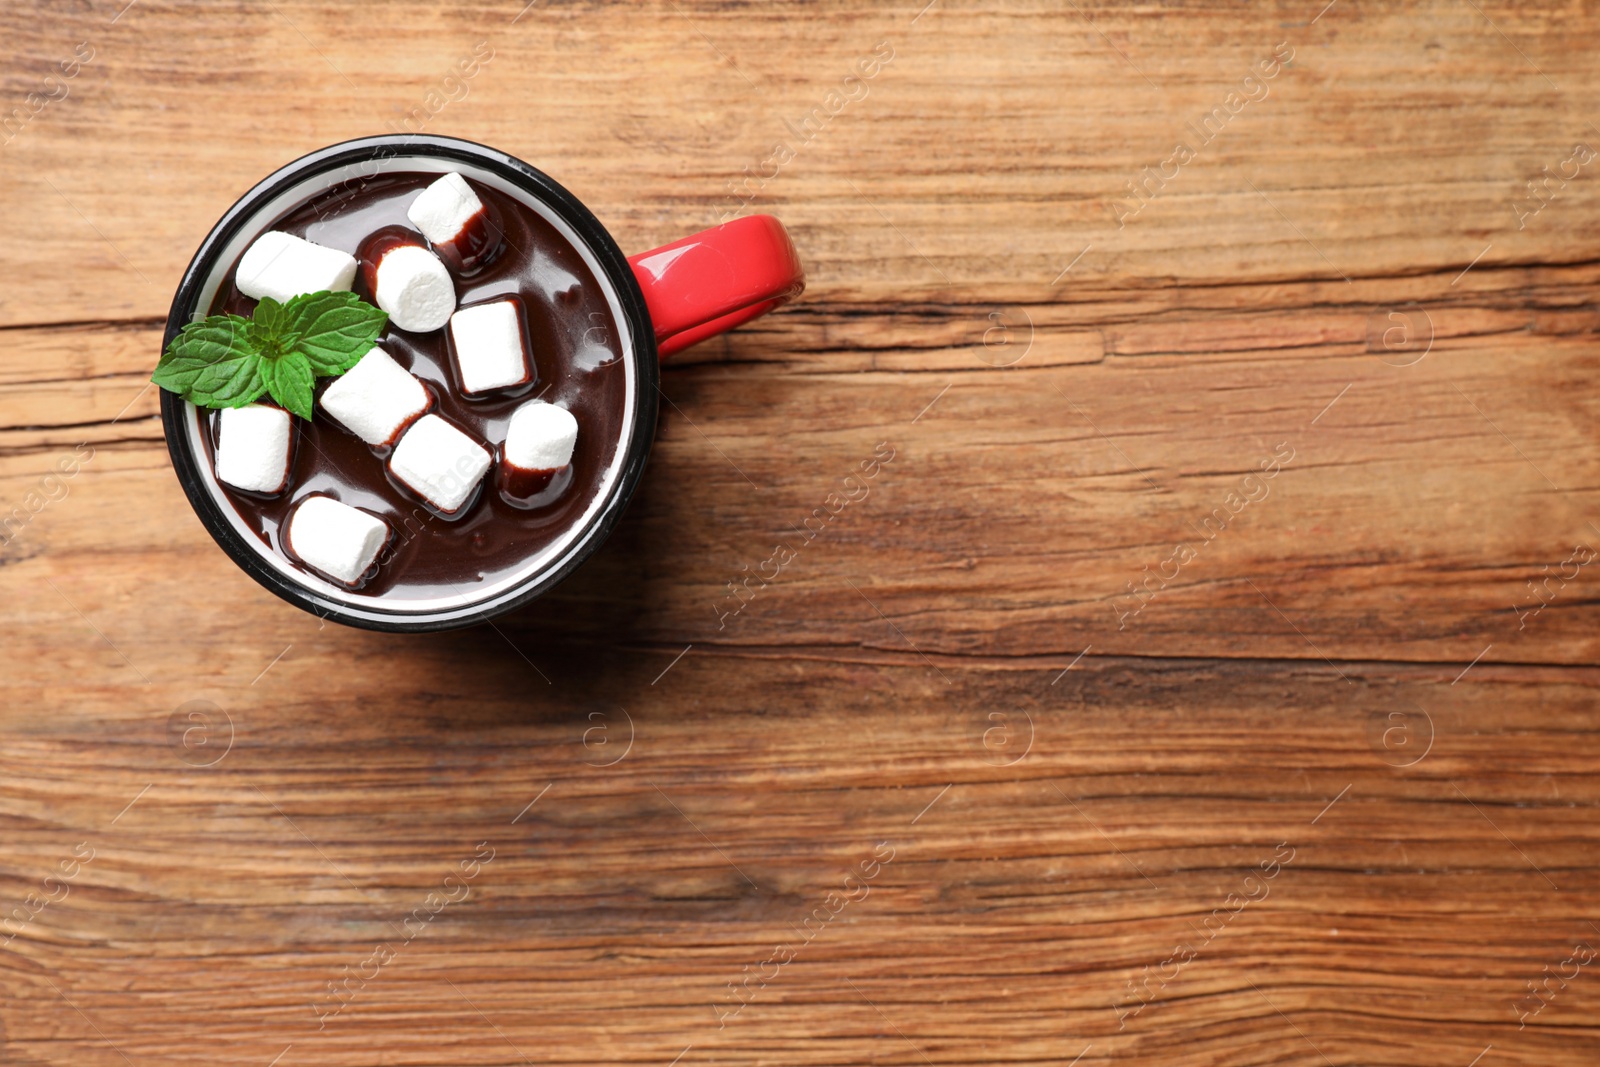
pixel 575 350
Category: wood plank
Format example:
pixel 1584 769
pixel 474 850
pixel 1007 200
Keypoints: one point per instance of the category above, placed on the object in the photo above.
pixel 1039 507
pixel 1018 905
pixel 1352 176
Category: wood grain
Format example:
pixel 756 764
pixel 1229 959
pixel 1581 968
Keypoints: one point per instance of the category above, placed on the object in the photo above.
pixel 1323 795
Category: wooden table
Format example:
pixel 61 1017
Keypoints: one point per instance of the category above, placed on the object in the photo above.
pixel 1207 678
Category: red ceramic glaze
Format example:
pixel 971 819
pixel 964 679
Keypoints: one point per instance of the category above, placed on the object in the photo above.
pixel 717 279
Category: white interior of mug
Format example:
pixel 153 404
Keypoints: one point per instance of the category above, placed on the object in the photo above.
pixel 484 595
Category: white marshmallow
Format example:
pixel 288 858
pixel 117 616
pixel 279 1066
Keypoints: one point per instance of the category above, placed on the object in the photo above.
pixel 489 349
pixel 336 539
pixel 541 437
pixel 281 265
pixel 443 208
pixel 375 399
pixel 439 463
pixel 414 287
pixel 253 448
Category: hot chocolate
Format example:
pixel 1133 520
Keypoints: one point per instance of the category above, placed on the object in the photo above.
pixel 524 275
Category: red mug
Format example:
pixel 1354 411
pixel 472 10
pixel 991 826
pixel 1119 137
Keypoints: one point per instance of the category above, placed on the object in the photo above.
pixel 661 302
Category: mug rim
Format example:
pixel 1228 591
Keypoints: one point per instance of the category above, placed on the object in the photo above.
pixel 643 351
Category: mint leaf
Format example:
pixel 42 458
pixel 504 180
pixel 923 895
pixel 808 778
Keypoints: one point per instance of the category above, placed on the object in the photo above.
pixel 269 329
pixel 289 381
pixel 332 330
pixel 227 361
pixel 230 385
pixel 267 315
pixel 212 363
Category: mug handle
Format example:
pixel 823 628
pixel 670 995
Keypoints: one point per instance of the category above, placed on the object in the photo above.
pixel 717 279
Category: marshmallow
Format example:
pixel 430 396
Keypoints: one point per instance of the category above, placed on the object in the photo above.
pixel 253 448
pixel 413 286
pixel 540 438
pixel 455 222
pixel 335 539
pixel 538 447
pixel 443 208
pixel 439 463
pixel 375 399
pixel 489 348
pixel 281 265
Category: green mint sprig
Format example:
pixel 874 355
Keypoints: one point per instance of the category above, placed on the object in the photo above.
pixel 228 361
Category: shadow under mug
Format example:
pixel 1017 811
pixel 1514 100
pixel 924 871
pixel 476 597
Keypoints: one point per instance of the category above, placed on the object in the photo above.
pixel 663 301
